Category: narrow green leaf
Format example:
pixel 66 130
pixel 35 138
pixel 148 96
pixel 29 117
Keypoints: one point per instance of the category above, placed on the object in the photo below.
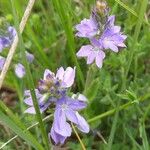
pixel 67 24
pixel 24 135
pixel 92 90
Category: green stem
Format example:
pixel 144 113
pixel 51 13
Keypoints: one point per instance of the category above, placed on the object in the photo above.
pixel 122 107
pixel 90 76
pixel 144 4
pixel 108 113
pixel 113 130
pixel 67 24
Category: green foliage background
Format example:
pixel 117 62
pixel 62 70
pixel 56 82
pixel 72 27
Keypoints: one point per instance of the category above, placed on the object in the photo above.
pixel 119 93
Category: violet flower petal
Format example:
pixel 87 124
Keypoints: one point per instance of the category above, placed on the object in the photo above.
pixel 60 124
pixel 82 124
pixel 84 51
pixel 87 28
pixel 60 73
pixel 69 77
pixel 99 59
pixel 57 137
pixel 48 73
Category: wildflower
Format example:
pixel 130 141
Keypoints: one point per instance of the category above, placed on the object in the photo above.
pixel 67 110
pixel 59 82
pixel 6 41
pixel 53 89
pixel 106 36
pixel 50 88
pixel 112 38
pixel 20 69
pixel 92 53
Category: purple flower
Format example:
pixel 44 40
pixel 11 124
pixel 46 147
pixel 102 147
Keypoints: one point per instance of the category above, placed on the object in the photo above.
pixel 29 56
pixel 112 38
pixel 12 33
pixel 66 110
pixel 2 61
pixel 50 88
pixel 6 41
pixel 43 100
pixel 57 83
pixel 87 28
pixel 19 70
pixel 92 53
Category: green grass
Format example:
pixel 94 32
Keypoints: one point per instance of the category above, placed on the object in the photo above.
pixel 118 93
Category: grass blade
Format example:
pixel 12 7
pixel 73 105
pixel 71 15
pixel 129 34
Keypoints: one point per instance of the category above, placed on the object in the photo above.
pixel 24 135
pixel 66 22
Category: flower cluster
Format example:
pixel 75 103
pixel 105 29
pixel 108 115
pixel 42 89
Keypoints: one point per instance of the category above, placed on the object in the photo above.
pixel 102 33
pixel 5 42
pixel 52 89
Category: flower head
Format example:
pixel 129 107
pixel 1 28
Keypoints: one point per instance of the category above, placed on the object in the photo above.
pixel 92 53
pixel 106 36
pixel 57 84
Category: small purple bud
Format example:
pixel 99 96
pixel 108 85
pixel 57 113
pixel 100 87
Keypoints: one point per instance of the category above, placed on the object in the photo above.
pixel 20 70
pixel 30 57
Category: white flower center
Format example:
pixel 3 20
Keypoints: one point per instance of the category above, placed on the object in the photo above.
pixel 64 106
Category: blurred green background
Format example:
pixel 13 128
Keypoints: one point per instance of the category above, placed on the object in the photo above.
pixel 49 35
